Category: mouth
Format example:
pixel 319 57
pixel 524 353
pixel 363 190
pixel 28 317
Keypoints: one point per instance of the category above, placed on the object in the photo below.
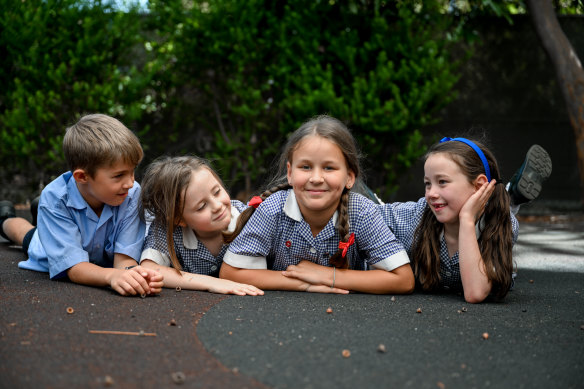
pixel 221 216
pixel 438 206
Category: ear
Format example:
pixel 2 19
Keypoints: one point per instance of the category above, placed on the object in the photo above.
pixel 81 176
pixel 289 173
pixel 350 179
pixel 182 223
pixel 480 181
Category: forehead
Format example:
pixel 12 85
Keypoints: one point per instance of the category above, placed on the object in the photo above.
pixel 317 147
pixel 441 163
pixel 201 184
pixel 117 166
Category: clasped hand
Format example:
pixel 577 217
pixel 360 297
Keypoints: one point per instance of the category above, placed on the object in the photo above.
pixel 317 278
pixel 138 280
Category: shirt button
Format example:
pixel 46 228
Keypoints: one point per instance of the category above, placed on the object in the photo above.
pixel 448 274
pixel 213 268
pixel 312 250
pixel 446 287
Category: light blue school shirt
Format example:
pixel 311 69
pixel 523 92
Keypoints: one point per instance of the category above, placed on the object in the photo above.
pixel 69 231
pixel 277 236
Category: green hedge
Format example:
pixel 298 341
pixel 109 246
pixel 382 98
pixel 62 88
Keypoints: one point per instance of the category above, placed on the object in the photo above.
pixel 60 60
pixel 227 79
pixel 247 73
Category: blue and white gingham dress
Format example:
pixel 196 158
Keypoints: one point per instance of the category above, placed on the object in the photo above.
pixel 403 218
pixel 276 236
pixel 193 256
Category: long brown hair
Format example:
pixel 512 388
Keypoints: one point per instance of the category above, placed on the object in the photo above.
pixel 163 186
pixel 335 131
pixel 495 241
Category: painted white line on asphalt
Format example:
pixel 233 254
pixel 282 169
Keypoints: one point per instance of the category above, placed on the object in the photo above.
pixel 549 248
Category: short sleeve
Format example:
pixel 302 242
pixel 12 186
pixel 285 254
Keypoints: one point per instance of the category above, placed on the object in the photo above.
pixel 61 238
pixel 156 245
pixel 376 242
pixel 252 246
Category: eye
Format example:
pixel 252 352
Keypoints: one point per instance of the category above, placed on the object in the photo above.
pixel 442 182
pixel 304 167
pixel 217 192
pixel 203 205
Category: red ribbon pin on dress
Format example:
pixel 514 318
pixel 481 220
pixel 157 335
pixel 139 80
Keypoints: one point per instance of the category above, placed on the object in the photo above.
pixel 345 245
pixel 255 201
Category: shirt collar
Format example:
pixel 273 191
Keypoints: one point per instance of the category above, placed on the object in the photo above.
pixel 76 201
pixel 292 210
pixel 190 240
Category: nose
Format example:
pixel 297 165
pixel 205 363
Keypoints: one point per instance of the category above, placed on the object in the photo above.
pixel 216 205
pixel 316 177
pixel 129 182
pixel 431 192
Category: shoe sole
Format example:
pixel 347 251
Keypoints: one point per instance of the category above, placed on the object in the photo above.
pixel 538 167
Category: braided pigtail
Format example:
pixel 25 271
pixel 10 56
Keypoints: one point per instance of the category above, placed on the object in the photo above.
pixel 228 237
pixel 339 259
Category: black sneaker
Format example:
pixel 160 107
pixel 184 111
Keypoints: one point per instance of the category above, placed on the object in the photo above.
pixel 526 183
pixel 34 209
pixel 6 211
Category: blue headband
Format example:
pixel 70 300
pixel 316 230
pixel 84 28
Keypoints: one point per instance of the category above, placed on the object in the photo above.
pixel 477 150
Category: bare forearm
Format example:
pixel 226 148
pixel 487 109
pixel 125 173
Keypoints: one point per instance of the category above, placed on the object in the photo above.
pixel 184 280
pixel 398 281
pixel 475 282
pixel 263 279
pixel 87 273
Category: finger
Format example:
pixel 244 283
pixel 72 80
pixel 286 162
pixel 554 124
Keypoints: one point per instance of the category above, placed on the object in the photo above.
pixel 289 273
pixel 339 291
pixel 119 289
pixel 250 289
pixel 126 288
pixel 155 289
pixel 138 283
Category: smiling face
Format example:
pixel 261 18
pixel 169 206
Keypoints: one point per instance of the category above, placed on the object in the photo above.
pixel 207 206
pixel 109 185
pixel 318 174
pixel 447 188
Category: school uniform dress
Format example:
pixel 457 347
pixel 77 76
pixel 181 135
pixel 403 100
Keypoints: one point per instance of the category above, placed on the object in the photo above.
pixel 70 232
pixel 193 256
pixel 403 218
pixel 277 236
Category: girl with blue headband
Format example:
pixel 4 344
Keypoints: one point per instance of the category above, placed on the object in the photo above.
pixel 460 235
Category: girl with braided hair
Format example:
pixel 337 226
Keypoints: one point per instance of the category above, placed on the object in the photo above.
pixel 309 231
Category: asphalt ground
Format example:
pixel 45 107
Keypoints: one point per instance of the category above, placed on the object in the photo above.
pixel 288 340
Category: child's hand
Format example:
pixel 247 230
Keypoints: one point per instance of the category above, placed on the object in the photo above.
pixel 137 280
pixel 310 272
pixel 318 278
pixel 475 205
pixel 224 286
pixel 154 278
